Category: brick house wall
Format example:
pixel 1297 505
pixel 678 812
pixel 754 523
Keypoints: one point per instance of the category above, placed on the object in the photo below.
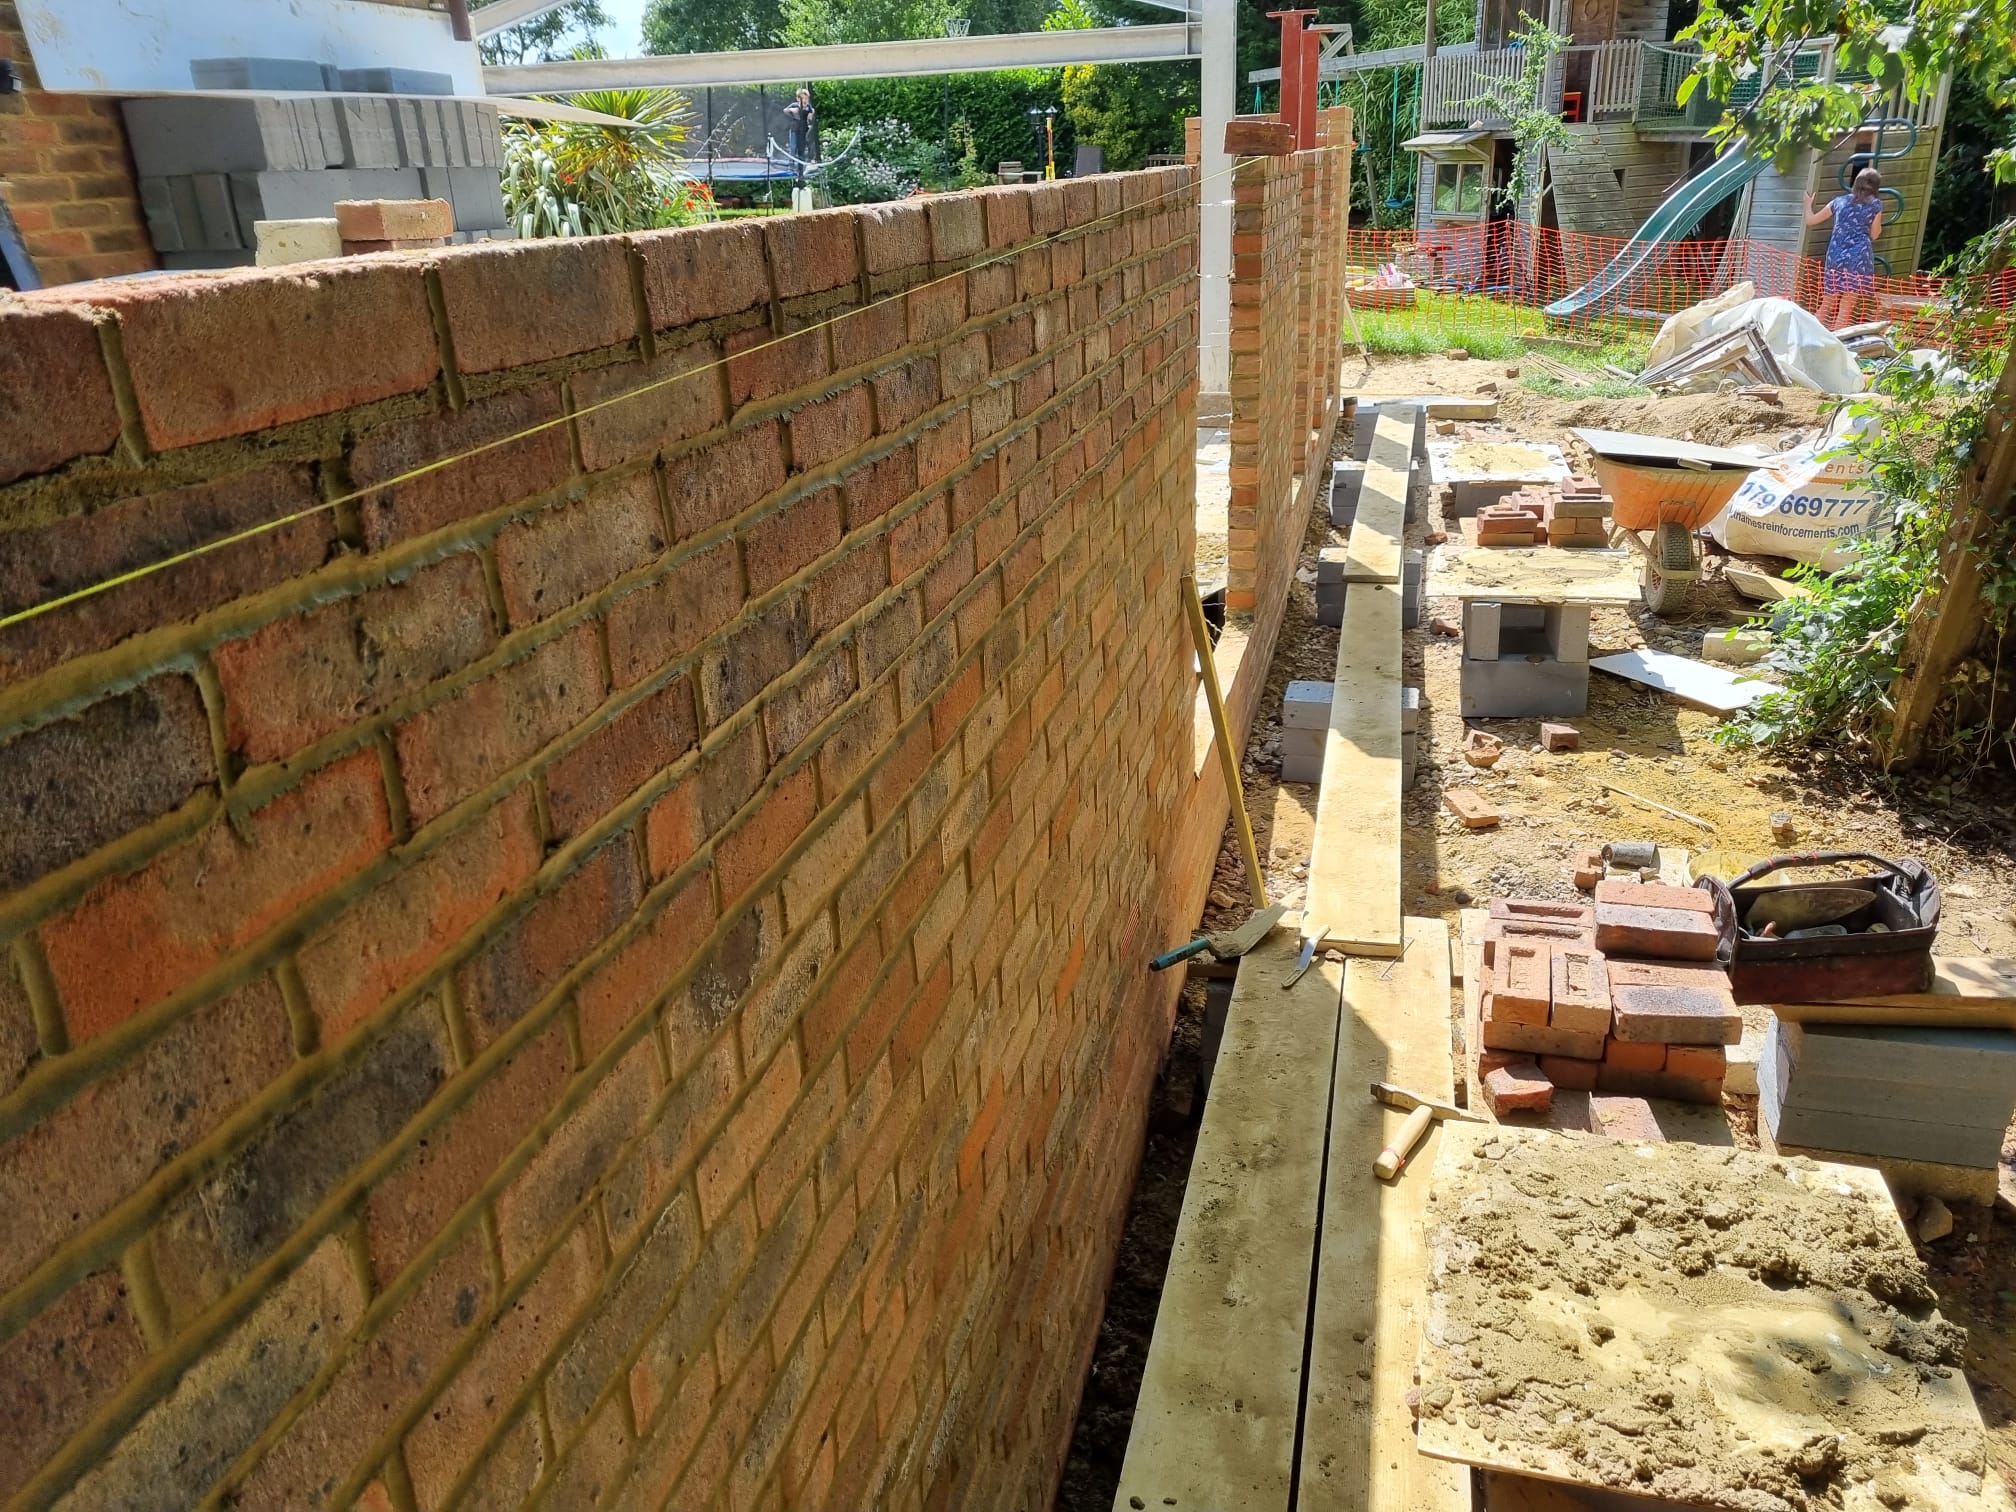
pixel 609 972
pixel 66 175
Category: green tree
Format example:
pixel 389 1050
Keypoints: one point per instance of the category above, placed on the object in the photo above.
pixel 1128 109
pixel 555 34
pixel 582 178
pixel 821 23
pixel 690 26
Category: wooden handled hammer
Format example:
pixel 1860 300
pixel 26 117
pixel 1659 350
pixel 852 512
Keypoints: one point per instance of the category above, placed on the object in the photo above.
pixel 1421 1111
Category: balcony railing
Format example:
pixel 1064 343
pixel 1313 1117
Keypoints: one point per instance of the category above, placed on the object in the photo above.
pixel 1605 75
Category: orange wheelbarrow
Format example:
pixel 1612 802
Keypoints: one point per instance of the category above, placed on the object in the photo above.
pixel 1661 493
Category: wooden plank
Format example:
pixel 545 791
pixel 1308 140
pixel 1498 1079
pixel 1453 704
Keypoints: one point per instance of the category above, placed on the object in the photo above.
pixel 1595 575
pixel 1220 1395
pixel 1358 1450
pixel 1962 1015
pixel 1354 861
pixel 1380 525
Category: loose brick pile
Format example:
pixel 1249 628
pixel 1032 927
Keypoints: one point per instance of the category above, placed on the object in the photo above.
pixel 607 973
pixel 1621 997
pixel 1568 514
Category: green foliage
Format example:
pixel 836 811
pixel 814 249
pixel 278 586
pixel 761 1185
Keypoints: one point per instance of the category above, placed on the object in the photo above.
pixel 1556 387
pixel 1959 210
pixel 558 33
pixel 889 162
pixel 1754 44
pixel 576 178
pixel 1129 109
pixel 1838 650
pixel 822 23
pixel 687 26
pixel 1522 102
pixel 994 105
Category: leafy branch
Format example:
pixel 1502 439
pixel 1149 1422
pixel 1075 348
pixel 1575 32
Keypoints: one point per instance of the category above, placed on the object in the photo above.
pixel 1522 103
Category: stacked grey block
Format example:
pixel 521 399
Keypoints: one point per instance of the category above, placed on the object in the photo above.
pixel 1364 426
pixel 1305 721
pixel 209 168
pixel 1330 586
pixel 1943 1095
pixel 1524 661
pixel 1348 478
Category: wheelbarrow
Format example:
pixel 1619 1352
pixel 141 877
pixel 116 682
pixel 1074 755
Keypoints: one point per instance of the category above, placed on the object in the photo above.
pixel 1661 493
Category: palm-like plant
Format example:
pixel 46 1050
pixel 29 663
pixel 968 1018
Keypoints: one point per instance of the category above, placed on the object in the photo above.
pixel 582 178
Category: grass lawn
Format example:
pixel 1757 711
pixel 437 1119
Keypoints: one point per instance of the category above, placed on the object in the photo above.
pixel 1500 332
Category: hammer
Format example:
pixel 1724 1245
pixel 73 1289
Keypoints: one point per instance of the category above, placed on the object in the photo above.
pixel 1420 1111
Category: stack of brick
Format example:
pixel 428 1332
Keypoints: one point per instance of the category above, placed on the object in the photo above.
pixel 1518 519
pixel 1576 513
pixel 1621 997
pixel 211 168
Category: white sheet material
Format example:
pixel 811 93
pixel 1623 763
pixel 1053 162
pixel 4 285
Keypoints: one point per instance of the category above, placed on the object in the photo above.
pixel 1806 504
pixel 1810 354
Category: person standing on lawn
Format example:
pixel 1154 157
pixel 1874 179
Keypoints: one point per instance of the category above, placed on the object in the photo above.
pixel 1849 272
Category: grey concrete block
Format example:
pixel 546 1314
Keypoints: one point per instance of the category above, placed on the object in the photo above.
pixel 256 73
pixel 321 127
pixel 1330 565
pixel 1346 479
pixel 369 137
pixel 490 129
pixel 406 130
pixel 478 197
pixel 308 196
pixel 174 135
pixel 399 81
pixel 1330 607
pixel 157 203
pixel 1306 705
pixel 1567 627
pixel 1523 687
pixel 1302 755
pixel 203 261
pixel 218 224
pixel 1410 710
pixel 1482 625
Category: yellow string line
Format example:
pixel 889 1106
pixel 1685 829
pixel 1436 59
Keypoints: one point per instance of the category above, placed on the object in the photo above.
pixel 91 590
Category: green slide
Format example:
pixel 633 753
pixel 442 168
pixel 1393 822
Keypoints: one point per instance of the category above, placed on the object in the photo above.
pixel 1678 214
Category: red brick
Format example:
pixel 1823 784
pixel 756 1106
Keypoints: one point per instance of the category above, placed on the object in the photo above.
pixel 1522 910
pixel 1560 737
pixel 635 746
pixel 394 220
pixel 663 408
pixel 445 1440
pixel 795 711
pixel 442 1171
pixel 43 563
pixel 1471 808
pixel 944 448
pixel 1538 1039
pixel 452 749
pixel 1628 1056
pixel 572 1159
pixel 782 543
pixel 719 482
pixel 19 1048
pixel 1007 212
pixel 223 354
pixel 296 680
pixel 500 984
pixel 332 1437
pixel 78 1161
pixel 894 236
pixel 487 480
pixel 1518 1088
pixel 580 288
pixel 842 588
pixel 395 932
pixel 745 853
pixel 1660 1084
pixel 936 310
pixel 135 939
pixel 60 404
pixel 1694 1015
pixel 1625 1118
pixel 1667 933
pixel 904 393
pixel 672 830
pixel 962 366
pixel 1702 1062
pixel 82 782
pixel 637 976
pixel 958 227
pixel 762 363
pixel 749 658
pixel 696 273
pixel 951 707
pixel 877 487
pixel 948 576
pixel 560 557
pixel 893 781
pixel 1581 991
pixel 741 1143
pixel 830 428
pixel 1570 1075
pixel 1521 976
pixel 868 334
pixel 855 742
pixel 810 254
pixel 663 620
pixel 1653 895
pixel 57 1371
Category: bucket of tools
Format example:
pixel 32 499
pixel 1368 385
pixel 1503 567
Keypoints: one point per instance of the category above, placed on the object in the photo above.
pixel 1860 936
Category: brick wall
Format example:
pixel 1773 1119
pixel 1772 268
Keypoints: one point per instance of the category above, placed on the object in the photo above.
pixel 66 175
pixel 1289 217
pixel 608 973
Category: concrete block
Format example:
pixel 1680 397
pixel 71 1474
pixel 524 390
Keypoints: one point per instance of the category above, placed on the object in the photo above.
pixel 218 223
pixel 1738 648
pixel 1483 623
pixel 256 73
pixel 321 126
pixel 157 203
pixel 1302 755
pixel 1306 704
pixel 1567 627
pixel 313 196
pixel 370 140
pixel 1330 606
pixel 1523 687
pixel 1743 1059
pixel 280 242
pixel 1410 710
pixel 204 261
pixel 1330 565
pixel 478 196
pixel 174 135
pixel 400 81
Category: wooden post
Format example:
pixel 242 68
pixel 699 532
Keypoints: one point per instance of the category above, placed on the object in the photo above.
pixel 1948 617
pixel 1221 729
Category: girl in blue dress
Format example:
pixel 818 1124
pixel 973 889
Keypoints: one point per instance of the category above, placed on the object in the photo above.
pixel 1849 273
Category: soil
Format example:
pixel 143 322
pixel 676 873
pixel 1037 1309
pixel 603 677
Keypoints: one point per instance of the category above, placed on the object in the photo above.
pixel 1704 1325
pixel 1964 828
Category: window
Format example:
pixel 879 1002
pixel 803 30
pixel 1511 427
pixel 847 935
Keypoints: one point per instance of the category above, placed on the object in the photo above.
pixel 1459 188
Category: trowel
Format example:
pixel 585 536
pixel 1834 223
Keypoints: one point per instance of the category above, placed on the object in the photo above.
pixel 1805 907
pixel 1228 945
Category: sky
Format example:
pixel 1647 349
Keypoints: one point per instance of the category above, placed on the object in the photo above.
pixel 624 36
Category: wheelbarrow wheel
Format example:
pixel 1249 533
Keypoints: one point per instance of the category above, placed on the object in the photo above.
pixel 1666 595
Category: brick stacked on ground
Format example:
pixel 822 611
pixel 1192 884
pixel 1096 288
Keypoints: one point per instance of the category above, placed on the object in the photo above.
pixel 68 180
pixel 607 973
pixel 1569 514
pixel 1612 997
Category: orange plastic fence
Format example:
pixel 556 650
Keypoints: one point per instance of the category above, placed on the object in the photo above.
pixel 1531 265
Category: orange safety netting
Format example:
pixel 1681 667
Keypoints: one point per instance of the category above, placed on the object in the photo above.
pixel 1538 266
